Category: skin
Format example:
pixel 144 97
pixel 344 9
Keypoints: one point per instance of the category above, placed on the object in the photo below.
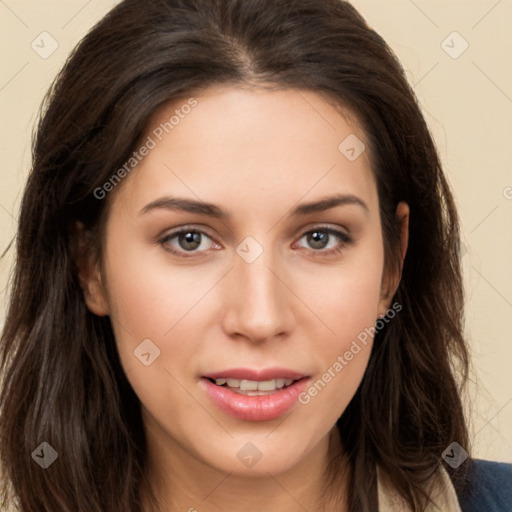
pixel 256 154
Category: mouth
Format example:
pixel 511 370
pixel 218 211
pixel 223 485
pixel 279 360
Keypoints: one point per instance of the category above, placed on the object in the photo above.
pixel 254 395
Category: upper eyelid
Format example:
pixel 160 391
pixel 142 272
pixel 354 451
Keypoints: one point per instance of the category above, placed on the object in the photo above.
pixel 204 230
pixel 185 229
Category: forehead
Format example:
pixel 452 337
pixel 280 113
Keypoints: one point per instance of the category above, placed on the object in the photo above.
pixel 247 147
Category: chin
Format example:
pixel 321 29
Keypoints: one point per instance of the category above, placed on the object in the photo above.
pixel 257 455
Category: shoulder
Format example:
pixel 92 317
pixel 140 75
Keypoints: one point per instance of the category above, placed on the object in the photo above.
pixel 488 487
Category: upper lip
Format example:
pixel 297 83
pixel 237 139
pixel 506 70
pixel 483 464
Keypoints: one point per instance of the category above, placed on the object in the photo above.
pixel 255 374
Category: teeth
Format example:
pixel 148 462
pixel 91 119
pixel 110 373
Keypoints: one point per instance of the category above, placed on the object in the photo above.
pixel 267 385
pixel 254 385
pixel 248 385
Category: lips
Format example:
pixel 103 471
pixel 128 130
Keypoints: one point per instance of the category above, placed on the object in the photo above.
pixel 258 375
pixel 254 395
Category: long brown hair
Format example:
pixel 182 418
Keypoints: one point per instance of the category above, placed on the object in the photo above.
pixel 62 380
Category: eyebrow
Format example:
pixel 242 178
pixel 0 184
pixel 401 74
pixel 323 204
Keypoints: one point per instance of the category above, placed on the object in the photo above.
pixel 186 205
pixel 328 203
pixel 212 210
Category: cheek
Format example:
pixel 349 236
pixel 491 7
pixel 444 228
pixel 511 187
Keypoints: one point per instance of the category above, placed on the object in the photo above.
pixel 348 305
pixel 346 297
pixel 150 300
pixel 147 295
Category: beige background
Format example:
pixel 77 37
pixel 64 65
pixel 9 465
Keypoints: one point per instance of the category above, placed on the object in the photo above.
pixel 467 102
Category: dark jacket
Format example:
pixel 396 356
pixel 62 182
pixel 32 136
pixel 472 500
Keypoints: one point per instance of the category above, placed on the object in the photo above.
pixel 489 488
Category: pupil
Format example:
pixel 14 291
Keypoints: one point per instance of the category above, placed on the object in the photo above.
pixel 191 240
pixel 317 239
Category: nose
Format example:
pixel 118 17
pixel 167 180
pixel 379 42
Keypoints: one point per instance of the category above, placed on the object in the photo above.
pixel 259 305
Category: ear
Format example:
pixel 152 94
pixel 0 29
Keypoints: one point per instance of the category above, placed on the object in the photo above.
pixel 89 272
pixel 391 278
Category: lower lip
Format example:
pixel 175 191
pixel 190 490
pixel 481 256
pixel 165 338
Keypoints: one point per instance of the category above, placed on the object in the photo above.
pixel 258 407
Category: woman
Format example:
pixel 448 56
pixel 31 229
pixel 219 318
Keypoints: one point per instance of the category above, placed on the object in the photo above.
pixel 238 282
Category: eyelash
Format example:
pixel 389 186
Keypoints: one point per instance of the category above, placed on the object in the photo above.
pixel 345 240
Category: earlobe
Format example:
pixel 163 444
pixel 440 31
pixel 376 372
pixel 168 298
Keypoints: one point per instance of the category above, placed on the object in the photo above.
pixel 391 281
pixel 89 274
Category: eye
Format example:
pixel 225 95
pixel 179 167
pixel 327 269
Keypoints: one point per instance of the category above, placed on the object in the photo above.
pixel 187 240
pixel 326 240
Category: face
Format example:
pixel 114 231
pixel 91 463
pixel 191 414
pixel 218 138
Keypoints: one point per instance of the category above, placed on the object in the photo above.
pixel 242 261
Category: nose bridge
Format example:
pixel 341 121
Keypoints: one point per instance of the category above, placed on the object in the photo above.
pixel 259 307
